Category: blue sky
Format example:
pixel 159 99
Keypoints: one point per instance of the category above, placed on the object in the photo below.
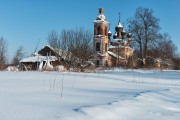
pixel 24 22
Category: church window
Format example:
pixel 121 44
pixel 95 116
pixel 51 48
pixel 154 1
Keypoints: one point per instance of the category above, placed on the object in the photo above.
pixel 97 62
pixel 106 47
pixel 99 30
pixel 106 63
pixel 97 46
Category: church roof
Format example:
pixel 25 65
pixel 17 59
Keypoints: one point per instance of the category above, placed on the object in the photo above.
pixel 124 30
pixel 109 31
pixel 119 25
pixel 99 21
pixel 116 40
pixel 101 17
pixel 115 55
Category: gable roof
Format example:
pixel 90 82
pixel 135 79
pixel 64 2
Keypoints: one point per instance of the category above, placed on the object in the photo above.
pixel 47 50
pixel 39 59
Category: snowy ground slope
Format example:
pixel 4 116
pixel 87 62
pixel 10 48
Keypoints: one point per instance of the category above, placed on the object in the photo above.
pixel 109 95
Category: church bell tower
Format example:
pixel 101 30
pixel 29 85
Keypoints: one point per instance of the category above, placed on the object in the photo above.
pixel 101 41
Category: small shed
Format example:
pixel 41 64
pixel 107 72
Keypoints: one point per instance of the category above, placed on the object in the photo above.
pixel 45 59
pixel 38 62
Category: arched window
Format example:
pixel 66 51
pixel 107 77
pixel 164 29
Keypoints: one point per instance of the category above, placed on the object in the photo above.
pixel 99 30
pixel 106 47
pixel 97 62
pixel 97 46
pixel 106 63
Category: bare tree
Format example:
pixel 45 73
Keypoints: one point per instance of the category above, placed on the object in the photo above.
pixel 176 61
pixel 3 52
pixel 53 39
pixel 144 27
pixel 166 50
pixel 19 54
pixel 163 52
pixel 81 47
pixel 166 47
pixel 75 47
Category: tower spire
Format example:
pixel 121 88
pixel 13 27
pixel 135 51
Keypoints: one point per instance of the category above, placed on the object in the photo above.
pixel 109 26
pixel 119 17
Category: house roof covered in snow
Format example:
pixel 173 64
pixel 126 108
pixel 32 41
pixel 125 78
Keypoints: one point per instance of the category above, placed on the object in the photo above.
pixel 49 53
pixel 54 52
pixel 39 59
pixel 47 50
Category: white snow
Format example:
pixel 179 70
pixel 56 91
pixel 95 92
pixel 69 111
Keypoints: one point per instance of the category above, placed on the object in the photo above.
pixel 116 40
pixel 108 95
pixel 100 21
pixel 47 65
pixel 60 68
pixel 39 59
pixel 115 55
pixel 101 17
pixel 40 66
pixel 119 25
pixel 12 68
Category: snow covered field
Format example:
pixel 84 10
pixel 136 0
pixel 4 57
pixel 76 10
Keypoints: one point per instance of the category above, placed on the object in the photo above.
pixel 109 95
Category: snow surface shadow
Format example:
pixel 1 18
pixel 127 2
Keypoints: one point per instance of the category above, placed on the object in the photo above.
pixel 80 109
pixel 130 79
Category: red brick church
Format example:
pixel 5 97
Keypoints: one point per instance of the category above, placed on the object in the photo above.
pixel 111 52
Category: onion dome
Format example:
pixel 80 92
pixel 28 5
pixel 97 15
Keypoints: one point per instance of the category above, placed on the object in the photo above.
pixel 115 35
pixel 109 33
pixel 123 32
pixel 129 35
pixel 118 26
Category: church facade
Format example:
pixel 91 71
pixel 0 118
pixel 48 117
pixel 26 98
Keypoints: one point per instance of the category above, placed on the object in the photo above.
pixel 111 52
